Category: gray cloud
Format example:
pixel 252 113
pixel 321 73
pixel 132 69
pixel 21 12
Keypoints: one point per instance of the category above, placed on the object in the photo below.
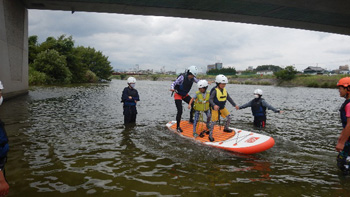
pixel 176 43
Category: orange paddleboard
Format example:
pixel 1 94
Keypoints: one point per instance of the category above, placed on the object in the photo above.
pixel 239 141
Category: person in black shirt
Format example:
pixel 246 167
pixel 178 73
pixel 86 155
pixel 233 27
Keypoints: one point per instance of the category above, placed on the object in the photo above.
pixel 129 99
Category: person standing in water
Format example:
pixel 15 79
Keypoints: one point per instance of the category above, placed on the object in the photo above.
pixel 182 86
pixel 343 144
pixel 259 106
pixel 4 148
pixel 130 97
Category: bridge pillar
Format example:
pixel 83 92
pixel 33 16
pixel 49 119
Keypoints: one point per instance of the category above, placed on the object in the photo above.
pixel 13 47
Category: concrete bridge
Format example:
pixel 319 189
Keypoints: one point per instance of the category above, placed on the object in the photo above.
pixel 319 15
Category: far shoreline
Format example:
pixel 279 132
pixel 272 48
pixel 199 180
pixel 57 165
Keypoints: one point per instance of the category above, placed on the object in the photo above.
pixel 315 81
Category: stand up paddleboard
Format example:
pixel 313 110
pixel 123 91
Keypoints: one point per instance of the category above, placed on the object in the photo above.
pixel 239 141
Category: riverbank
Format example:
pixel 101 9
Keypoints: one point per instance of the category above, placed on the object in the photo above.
pixel 316 81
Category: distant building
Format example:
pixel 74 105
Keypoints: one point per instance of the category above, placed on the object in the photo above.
pixel 314 70
pixel 345 67
pixel 171 73
pixel 214 66
pixel 239 72
pixel 264 72
pixel 218 66
pixel 344 72
pixel 148 71
pixel 210 67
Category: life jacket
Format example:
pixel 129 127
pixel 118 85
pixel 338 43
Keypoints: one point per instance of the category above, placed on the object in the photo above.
pixel 4 146
pixel 343 113
pixel 202 104
pixel 258 109
pixel 130 92
pixel 186 85
pixel 220 98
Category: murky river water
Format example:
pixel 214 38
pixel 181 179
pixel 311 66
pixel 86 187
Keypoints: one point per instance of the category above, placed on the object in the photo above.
pixel 70 141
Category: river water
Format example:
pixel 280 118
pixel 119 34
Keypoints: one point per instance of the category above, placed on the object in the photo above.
pixel 70 141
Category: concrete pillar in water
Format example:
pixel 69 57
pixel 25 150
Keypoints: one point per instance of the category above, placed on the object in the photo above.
pixel 13 47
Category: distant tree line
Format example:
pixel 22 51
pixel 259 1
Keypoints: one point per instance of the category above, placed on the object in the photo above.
pixel 286 74
pixel 224 71
pixel 58 61
pixel 268 67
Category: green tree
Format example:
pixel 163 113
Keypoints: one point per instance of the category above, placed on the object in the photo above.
pixel 53 65
pixel 286 74
pixel 33 48
pixel 84 64
pixel 78 69
pixel 268 67
pixel 63 45
pixel 95 61
pixel 36 77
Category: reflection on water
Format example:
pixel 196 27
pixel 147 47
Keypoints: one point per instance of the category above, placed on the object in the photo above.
pixel 71 141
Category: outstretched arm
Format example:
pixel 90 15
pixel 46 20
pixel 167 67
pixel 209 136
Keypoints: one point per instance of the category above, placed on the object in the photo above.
pixel 249 104
pixel 232 102
pixel 268 106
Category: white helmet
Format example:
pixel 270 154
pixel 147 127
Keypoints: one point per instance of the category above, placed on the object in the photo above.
pixel 1 86
pixel 193 70
pixel 221 79
pixel 258 91
pixel 202 84
pixel 131 80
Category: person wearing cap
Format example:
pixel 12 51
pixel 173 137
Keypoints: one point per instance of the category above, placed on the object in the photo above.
pixel 258 106
pixel 4 148
pixel 130 97
pixel 218 98
pixel 182 86
pixel 343 143
pixel 201 105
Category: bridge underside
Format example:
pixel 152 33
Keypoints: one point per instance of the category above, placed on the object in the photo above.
pixel 319 15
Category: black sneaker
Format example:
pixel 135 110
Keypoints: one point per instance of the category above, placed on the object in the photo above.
pixel 228 130
pixel 211 139
pixel 179 130
pixel 202 134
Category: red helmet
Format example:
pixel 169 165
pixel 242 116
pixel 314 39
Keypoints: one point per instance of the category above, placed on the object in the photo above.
pixel 345 82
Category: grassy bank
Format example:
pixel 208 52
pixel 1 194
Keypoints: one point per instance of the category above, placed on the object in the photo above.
pixel 316 81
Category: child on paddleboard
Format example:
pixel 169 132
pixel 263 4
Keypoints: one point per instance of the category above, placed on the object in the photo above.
pixel 182 86
pixel 218 98
pixel 201 104
pixel 258 106
pixel 129 99
pixel 343 144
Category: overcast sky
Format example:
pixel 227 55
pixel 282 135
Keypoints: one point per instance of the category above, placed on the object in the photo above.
pixel 176 43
